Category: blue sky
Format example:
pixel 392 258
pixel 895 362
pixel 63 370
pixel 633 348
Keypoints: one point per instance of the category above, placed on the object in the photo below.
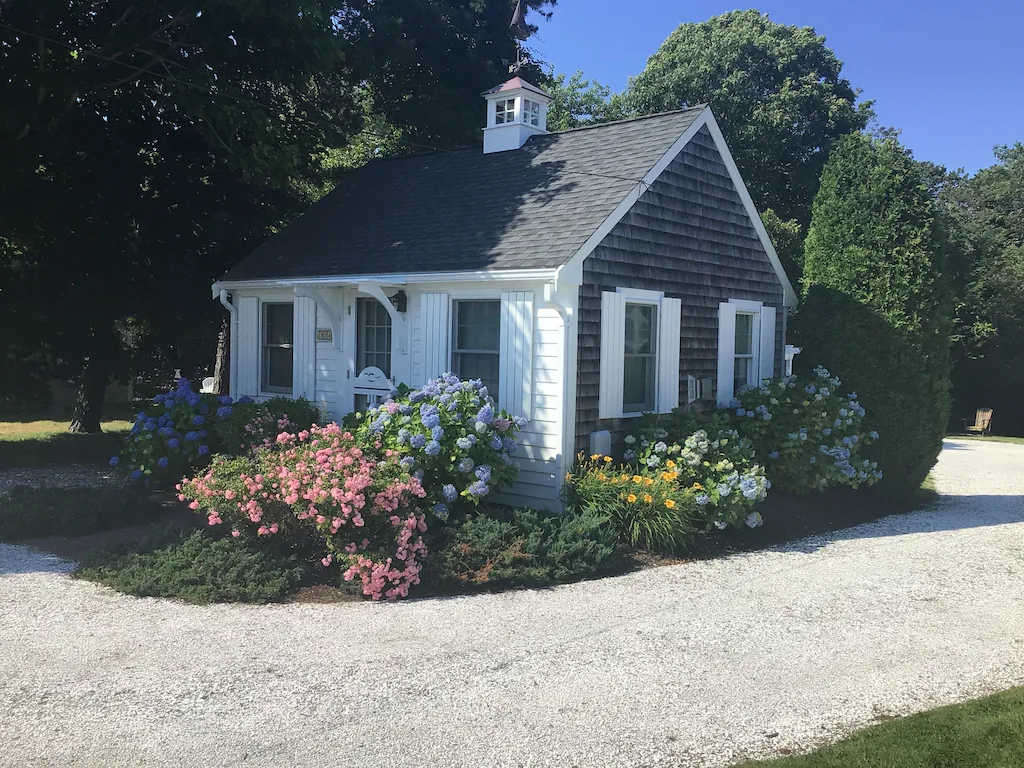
pixel 949 73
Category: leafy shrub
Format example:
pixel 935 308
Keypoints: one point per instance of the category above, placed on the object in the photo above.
pixel 321 489
pixel 27 513
pixel 451 436
pixel 715 463
pixel 197 568
pixel 807 434
pixel 876 305
pixel 647 507
pixel 245 426
pixel 172 435
pixel 521 548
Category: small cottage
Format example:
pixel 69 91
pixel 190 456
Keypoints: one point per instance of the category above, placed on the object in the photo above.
pixel 586 276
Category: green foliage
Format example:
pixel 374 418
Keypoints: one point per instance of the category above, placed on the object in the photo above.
pixel 647 507
pixel 494 548
pixel 776 91
pixel 197 568
pixel 248 425
pixel 806 433
pixel 876 305
pixel 788 239
pixel 986 732
pixel 986 221
pixel 28 513
pixel 577 102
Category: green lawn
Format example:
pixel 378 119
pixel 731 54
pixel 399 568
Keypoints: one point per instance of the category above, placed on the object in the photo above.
pixel 39 442
pixel 985 733
pixel 990 438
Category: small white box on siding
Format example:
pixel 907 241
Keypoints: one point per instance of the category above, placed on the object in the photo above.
pixel 601 442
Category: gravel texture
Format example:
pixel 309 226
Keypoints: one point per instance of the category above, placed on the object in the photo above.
pixel 63 476
pixel 699 664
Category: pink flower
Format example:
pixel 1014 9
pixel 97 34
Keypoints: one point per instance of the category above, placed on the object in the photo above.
pixel 236 533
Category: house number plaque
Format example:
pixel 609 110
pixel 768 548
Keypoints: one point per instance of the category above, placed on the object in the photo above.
pixel 325 335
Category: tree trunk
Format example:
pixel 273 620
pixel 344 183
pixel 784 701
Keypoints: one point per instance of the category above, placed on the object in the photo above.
pixel 222 368
pixel 91 389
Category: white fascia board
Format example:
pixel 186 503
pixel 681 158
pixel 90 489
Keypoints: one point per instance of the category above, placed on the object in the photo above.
pixel 572 271
pixel 405 278
pixel 790 299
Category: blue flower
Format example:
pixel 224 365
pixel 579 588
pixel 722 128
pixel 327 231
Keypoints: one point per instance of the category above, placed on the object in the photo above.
pixel 466 465
pixel 192 398
pixel 465 443
pixel 115 460
pixel 403 436
pixel 433 448
pixel 741 412
pixel 224 399
pixel 198 420
pixel 449 492
pixel 376 427
pixel 201 434
pixel 773 455
pixel 191 436
pixel 204 450
pixel 246 399
pixel 437 432
pixel 418 441
pixel 478 489
pixel 224 411
pixel 172 443
pixel 441 511
pixel 826 431
pixel 703 499
pixel 162 462
pixel 484 473
pixel 873 435
pixel 486 415
pixel 510 445
pixel 135 475
pixel 408 462
pixel 496 443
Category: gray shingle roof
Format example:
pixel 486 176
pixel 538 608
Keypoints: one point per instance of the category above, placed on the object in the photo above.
pixel 464 210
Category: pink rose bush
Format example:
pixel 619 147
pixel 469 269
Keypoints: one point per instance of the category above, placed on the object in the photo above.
pixel 361 510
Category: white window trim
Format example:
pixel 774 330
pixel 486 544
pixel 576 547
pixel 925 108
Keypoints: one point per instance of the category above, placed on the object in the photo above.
pixel 641 295
pixel 649 299
pixel 263 304
pixel 751 309
pixel 762 345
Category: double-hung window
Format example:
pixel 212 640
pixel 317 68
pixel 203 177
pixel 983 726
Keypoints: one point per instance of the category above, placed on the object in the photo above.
pixel 476 342
pixel 277 341
pixel 640 361
pixel 504 111
pixel 745 365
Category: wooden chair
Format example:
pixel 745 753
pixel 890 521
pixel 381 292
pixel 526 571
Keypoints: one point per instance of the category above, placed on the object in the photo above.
pixel 982 422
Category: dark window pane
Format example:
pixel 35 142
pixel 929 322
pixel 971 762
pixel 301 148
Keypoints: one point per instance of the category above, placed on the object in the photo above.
pixel 744 334
pixel 640 329
pixel 741 373
pixel 277 368
pixel 278 325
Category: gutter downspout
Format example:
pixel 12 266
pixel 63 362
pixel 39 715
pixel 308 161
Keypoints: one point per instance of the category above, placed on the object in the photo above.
pixel 232 342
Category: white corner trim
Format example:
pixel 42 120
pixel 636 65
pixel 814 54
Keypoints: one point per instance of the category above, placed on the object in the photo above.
pixel 790 299
pixel 746 306
pixel 641 294
pixel 574 267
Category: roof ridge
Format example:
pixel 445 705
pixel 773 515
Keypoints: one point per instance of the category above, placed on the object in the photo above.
pixel 637 118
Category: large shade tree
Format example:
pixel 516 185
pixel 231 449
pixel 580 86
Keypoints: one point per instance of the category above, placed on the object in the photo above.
pixel 778 94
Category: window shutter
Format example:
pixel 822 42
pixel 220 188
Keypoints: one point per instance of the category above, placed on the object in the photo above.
pixel 304 348
pixel 767 357
pixel 726 351
pixel 436 334
pixel 247 356
pixel 668 354
pixel 613 354
pixel 515 377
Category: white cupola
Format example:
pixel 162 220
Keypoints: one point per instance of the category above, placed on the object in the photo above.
pixel 516 110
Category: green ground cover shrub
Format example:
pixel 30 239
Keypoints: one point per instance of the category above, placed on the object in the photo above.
pixel 28 513
pixel 198 568
pixel 519 548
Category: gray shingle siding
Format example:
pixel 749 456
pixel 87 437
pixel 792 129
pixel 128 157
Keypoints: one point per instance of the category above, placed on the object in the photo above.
pixel 689 236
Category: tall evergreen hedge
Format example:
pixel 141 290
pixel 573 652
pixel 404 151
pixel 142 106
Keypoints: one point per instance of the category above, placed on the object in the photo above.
pixel 876 310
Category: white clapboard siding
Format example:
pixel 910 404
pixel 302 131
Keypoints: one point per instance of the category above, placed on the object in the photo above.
pixel 613 353
pixel 435 333
pixel 247 356
pixel 304 348
pixel 767 356
pixel 668 355
pixel 328 373
pixel 515 378
pixel 726 351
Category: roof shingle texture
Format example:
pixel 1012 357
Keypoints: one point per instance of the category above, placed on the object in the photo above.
pixel 464 210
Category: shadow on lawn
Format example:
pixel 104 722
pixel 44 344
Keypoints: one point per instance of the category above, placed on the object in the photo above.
pixel 61 448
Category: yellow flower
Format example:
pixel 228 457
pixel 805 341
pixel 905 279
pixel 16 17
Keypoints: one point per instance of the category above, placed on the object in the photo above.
pixel 648 481
pixel 631 498
pixel 648 498
pixel 601 476
pixel 615 481
pixel 637 479
pixel 568 476
pixel 670 504
pixel 607 459
pixel 698 487
pixel 670 464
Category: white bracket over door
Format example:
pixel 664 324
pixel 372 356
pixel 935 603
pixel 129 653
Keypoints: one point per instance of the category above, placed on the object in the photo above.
pixel 333 315
pixel 397 318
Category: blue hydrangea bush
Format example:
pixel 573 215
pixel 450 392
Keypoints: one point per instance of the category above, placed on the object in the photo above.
pixel 173 435
pixel 451 436
pixel 715 462
pixel 807 433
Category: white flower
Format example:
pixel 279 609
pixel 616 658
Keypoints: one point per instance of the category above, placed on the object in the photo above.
pixel 720 525
pixel 754 519
pixel 630 440
pixel 660 447
pixel 653 461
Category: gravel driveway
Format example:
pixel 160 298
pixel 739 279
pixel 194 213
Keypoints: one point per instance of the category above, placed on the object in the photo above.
pixel 698 664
